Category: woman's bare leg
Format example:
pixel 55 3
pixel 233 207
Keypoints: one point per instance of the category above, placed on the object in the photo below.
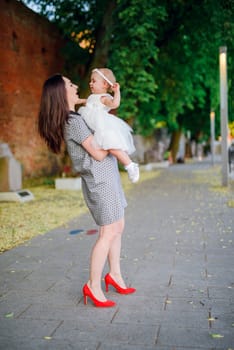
pixel 108 235
pixel 114 257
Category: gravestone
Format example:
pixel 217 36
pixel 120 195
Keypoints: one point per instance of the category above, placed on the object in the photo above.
pixel 11 178
pixel 10 170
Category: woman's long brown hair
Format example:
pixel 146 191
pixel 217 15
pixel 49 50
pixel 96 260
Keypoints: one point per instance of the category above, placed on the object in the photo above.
pixel 53 112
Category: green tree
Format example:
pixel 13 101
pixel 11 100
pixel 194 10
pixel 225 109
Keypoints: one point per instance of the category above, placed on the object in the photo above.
pixel 164 54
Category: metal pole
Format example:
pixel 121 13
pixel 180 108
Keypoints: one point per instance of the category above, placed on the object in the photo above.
pixel 212 135
pixel 224 112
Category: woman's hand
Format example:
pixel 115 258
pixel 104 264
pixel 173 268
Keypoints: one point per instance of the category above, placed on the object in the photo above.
pixel 81 101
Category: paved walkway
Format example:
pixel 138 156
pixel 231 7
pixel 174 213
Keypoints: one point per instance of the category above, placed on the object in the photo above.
pixel 177 252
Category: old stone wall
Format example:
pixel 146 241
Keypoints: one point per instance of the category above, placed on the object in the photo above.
pixel 29 53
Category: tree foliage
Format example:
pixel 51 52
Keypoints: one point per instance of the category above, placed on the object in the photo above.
pixel 164 54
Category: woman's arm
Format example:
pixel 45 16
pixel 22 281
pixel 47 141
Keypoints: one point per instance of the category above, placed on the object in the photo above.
pixel 97 153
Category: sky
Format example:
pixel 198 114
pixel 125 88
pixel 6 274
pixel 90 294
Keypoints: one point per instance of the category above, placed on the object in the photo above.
pixel 32 6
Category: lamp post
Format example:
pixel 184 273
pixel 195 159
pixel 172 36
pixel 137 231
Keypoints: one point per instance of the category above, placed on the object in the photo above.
pixel 224 112
pixel 212 134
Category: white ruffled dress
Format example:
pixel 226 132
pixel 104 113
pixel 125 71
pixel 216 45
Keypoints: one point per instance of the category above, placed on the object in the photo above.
pixel 110 132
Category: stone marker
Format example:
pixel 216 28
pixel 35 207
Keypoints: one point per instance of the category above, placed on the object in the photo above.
pixel 10 170
pixel 11 178
pixel 17 196
pixel 68 183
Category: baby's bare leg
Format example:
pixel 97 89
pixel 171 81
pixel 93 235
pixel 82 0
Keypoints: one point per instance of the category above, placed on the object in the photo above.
pixel 122 156
pixel 131 167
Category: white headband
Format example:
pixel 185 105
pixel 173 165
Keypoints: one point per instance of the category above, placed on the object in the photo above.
pixel 103 76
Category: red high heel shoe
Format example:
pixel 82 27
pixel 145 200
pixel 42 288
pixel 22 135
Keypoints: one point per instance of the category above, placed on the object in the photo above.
pixel 87 293
pixel 109 280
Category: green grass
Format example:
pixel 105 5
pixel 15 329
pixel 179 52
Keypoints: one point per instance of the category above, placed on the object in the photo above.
pixel 51 208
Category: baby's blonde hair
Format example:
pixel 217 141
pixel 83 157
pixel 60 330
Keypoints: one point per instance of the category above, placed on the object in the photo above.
pixel 107 73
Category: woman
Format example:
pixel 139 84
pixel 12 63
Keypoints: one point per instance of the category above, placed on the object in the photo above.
pixel 101 185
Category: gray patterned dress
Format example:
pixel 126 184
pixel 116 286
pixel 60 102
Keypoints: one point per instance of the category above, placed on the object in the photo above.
pixel 101 183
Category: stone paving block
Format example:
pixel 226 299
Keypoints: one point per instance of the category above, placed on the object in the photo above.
pixel 188 280
pixel 88 316
pixel 186 277
pixel 144 335
pixel 152 282
pixel 191 319
pixel 44 344
pixel 220 273
pixel 193 337
pixel 14 308
pixel 8 258
pixel 141 315
pixel 222 320
pixel 47 272
pixel 151 278
pixel 195 252
pixel 158 293
pixel 220 280
pixel 31 328
pixel 26 263
pixel 221 292
pixel 19 343
pixel 51 312
pixel 189 291
pixel 156 347
pixel 10 278
pixel 34 285
pixel 218 305
pixel 186 261
pixel 59 297
pixel 143 302
pixel 187 305
pixel 219 260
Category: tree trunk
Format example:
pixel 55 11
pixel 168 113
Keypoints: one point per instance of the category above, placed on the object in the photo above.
pixel 103 39
pixel 174 146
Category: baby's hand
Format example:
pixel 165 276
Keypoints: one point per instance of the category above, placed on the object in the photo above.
pixel 116 87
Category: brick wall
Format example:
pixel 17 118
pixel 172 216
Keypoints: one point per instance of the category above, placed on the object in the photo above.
pixel 29 53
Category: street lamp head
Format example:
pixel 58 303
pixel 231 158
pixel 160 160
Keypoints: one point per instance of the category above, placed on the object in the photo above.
pixel 223 49
pixel 212 115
